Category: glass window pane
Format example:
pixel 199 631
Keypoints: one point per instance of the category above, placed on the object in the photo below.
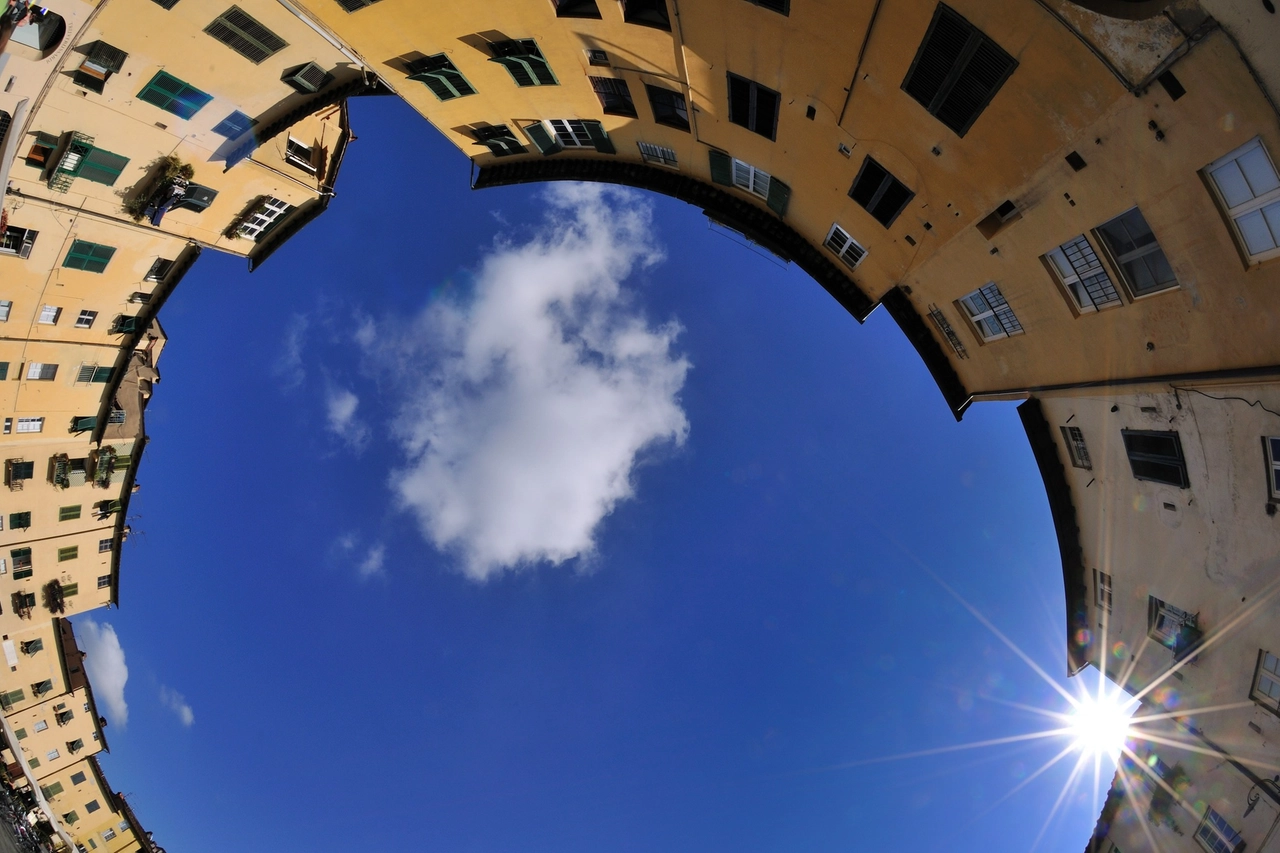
pixel 990 327
pixel 1271 664
pixel 1231 183
pixel 1257 236
pixel 1258 172
pixel 975 304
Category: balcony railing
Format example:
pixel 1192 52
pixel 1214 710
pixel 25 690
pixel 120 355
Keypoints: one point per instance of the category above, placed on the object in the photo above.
pixel 64 174
pixel 104 467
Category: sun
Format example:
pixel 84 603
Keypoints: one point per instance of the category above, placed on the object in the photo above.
pixel 1099 725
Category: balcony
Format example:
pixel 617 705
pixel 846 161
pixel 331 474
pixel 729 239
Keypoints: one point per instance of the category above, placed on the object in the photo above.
pixel 54 600
pixel 104 466
pixel 17 472
pixel 65 472
pixel 71 162
pixel 23 603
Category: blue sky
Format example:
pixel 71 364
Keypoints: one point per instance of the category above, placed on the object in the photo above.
pixel 421 562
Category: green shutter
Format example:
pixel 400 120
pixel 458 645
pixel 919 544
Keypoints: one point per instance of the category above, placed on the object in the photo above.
pixel 22 574
pixel 90 257
pixel 441 77
pixel 69 513
pixel 4 370
pixel 9 699
pixel 69 553
pixel 102 167
pixel 543 138
pixel 34 762
pixel 721 167
pixel 599 138
pixel 779 195
pixel 21 734
pixel 243 34
pixel 70 589
pixel 20 521
pixel 43 687
pixel 101 374
pixel 84 424
pixel 52 790
pixel 172 95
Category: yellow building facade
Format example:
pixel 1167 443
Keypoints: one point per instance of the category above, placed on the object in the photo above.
pixel 1076 204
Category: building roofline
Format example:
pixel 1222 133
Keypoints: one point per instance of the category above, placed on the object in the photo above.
pixel 298 219
pixel 117 534
pixel 146 316
pixel 758 224
pixel 1063 510
pixel 929 350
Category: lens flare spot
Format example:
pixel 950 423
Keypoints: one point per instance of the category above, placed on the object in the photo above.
pixel 1118 650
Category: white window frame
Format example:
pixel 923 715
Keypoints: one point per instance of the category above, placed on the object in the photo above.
pixel 271 209
pixel 1218 843
pixel 40 726
pixel 36 371
pixel 1173 619
pixel 570 132
pixel 1266 682
pixel 52 755
pixel 1271 448
pixel 5 307
pixel 17 241
pixel 844 247
pixel 1074 262
pixel 104 545
pixel 303 163
pixel 108 834
pixel 86 318
pixel 30 425
pixel 1267 202
pixel 751 179
pixel 1102 590
pixel 990 313
pixel 1077 449
pixel 49 315
pixel 659 155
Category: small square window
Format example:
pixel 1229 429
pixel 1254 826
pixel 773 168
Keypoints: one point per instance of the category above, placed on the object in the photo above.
pixel 159 269
pixel 78 778
pixel 69 513
pixel 1271 447
pixel 1080 272
pixel 91 806
pixel 52 755
pixel 1073 438
pixel 104 581
pixel 1133 246
pixel 1102 590
pixel 104 545
pixel 1266 682
pixel 300 155
pixel 668 107
pixel 1216 835
pixel 576 9
pixel 1172 627
pixel 648 13
pixel 49 315
pixel 5 307
pixel 85 320
pixel 990 314
pixel 234 125
pixel 657 154
pixel 1156 456
pixel 40 725
pixel 41 371
pixel 614 95
pixel 844 246
pixel 880 193
pixel 108 834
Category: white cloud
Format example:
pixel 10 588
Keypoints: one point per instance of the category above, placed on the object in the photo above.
pixel 105 666
pixel 372 563
pixel 177 703
pixel 526 409
pixel 340 407
pixel 288 366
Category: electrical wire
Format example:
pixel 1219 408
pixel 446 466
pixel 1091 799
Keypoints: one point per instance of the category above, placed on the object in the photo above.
pixel 1251 403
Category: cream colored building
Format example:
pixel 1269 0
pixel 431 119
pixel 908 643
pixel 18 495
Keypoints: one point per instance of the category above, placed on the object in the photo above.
pixel 1072 203
pixel 95 817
